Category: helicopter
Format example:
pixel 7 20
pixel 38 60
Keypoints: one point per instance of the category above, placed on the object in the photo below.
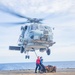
pixel 34 35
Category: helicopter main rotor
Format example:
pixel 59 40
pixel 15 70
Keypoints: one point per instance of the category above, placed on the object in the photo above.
pixel 5 9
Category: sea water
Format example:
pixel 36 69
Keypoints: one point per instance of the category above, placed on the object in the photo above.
pixel 19 66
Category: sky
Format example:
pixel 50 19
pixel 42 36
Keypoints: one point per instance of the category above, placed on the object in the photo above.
pixel 59 14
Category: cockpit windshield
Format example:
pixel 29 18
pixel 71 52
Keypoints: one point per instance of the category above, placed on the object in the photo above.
pixel 47 27
pixel 40 27
pixel 34 27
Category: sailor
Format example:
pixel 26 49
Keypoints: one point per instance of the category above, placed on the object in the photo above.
pixel 42 67
pixel 37 64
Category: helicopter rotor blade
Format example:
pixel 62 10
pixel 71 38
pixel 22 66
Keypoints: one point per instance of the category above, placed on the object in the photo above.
pixel 7 10
pixel 15 23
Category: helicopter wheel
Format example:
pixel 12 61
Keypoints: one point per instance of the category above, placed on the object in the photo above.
pixel 48 52
pixel 27 56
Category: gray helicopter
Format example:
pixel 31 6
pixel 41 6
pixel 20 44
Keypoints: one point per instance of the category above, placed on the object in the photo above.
pixel 34 35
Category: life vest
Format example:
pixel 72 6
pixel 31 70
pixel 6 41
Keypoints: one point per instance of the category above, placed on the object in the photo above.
pixel 38 61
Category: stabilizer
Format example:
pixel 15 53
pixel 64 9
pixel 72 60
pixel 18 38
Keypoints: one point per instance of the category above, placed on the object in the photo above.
pixel 14 48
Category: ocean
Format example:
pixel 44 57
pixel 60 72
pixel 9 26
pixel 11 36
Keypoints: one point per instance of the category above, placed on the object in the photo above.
pixel 19 66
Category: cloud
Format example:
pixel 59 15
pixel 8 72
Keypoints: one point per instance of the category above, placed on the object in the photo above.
pixel 61 5
pixel 41 6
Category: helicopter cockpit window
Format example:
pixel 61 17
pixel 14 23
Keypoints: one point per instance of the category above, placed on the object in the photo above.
pixel 34 27
pixel 47 28
pixel 31 27
pixel 41 27
pixel 25 27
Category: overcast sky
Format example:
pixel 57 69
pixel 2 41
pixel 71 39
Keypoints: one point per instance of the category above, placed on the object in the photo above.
pixel 59 14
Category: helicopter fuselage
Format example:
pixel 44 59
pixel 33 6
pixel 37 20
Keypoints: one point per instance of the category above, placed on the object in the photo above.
pixel 36 37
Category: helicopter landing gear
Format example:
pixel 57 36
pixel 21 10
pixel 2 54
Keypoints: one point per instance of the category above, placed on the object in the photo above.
pixel 22 49
pixel 27 57
pixel 48 51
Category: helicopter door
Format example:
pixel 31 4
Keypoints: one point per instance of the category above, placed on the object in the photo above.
pixel 31 32
pixel 26 32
